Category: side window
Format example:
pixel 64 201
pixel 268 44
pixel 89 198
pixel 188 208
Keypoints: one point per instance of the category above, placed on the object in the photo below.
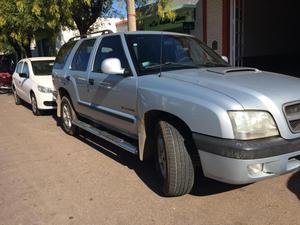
pixel 25 68
pixel 63 55
pixel 82 55
pixel 19 67
pixel 110 47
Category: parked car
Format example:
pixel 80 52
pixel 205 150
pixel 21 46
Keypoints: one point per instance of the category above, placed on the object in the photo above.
pixel 32 82
pixel 170 96
pixel 6 69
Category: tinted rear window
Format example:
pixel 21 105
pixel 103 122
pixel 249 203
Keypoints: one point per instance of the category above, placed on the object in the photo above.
pixel 63 54
pixel 82 55
pixel 41 68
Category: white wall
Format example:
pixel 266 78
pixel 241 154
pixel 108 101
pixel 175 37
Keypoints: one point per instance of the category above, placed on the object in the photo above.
pixel 214 23
pixel 198 32
pixel 101 24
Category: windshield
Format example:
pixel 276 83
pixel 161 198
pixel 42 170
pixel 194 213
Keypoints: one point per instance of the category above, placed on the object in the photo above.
pixel 42 68
pixel 176 52
pixel 6 64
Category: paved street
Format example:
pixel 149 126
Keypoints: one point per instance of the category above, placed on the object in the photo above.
pixel 48 177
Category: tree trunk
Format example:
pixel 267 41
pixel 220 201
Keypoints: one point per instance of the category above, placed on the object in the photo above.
pixel 131 15
pixel 17 48
pixel 26 46
pixel 82 29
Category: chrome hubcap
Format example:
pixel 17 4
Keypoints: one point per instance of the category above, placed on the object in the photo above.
pixel 161 156
pixel 33 104
pixel 67 118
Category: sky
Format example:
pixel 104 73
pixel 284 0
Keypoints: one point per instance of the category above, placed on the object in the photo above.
pixel 121 7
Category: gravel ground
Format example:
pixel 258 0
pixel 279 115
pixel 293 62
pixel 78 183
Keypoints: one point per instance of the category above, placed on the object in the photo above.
pixel 48 177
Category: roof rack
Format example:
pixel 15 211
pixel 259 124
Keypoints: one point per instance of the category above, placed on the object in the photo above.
pixel 101 32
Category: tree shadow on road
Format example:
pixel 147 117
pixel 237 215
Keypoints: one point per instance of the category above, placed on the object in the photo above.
pixel 146 170
pixel 293 184
pixel 43 112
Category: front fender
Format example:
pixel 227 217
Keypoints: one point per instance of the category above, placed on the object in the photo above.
pixel 203 110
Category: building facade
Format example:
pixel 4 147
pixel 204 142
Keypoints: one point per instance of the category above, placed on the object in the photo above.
pixel 255 33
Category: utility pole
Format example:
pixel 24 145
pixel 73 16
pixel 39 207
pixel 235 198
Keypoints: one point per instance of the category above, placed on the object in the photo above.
pixel 131 15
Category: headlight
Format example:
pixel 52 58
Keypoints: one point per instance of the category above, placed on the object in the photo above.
pixel 249 125
pixel 44 89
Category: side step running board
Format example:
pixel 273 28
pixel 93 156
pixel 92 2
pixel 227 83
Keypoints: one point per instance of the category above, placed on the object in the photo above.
pixel 107 136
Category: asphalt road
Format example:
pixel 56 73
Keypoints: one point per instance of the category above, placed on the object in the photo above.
pixel 48 177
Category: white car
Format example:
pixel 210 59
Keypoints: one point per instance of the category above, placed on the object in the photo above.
pixel 32 82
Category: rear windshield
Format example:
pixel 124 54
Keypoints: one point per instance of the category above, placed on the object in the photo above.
pixel 42 68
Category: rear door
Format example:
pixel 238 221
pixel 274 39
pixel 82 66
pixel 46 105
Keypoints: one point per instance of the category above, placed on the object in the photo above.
pixel 113 97
pixel 79 73
pixel 16 77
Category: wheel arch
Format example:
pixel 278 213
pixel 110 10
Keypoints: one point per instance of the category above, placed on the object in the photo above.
pixel 148 123
pixel 60 94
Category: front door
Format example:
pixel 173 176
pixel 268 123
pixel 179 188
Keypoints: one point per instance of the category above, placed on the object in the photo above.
pixel 113 97
pixel 24 83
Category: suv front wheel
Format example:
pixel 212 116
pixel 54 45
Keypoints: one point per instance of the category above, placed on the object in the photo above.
pixel 173 160
pixel 67 116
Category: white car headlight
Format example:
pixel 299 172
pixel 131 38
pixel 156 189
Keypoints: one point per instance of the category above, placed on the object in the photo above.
pixel 249 125
pixel 44 89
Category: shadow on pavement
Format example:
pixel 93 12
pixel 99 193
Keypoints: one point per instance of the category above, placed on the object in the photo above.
pixel 49 112
pixel 293 184
pixel 204 186
pixel 146 170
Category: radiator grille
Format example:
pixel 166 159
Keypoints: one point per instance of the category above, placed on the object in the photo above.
pixel 292 113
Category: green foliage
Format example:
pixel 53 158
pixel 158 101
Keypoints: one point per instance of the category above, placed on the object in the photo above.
pixel 21 21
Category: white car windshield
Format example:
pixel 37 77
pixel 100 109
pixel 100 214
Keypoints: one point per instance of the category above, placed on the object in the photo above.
pixel 42 68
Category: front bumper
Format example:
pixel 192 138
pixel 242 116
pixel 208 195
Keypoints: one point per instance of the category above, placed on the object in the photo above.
pixel 46 101
pixel 228 160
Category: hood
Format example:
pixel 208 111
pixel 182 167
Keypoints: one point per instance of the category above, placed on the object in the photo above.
pixel 45 81
pixel 252 88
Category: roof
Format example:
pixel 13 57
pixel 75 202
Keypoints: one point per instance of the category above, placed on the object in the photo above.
pixel 178 3
pixel 154 32
pixel 41 58
pixel 121 22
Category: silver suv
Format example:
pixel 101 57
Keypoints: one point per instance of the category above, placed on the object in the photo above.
pixel 169 96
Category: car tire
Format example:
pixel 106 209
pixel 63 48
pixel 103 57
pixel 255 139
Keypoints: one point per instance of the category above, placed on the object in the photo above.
pixel 173 161
pixel 34 105
pixel 18 100
pixel 67 116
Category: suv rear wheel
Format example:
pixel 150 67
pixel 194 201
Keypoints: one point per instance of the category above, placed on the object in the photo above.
pixel 173 161
pixel 67 116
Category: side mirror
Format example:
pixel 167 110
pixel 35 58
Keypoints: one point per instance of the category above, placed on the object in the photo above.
pixel 225 58
pixel 23 75
pixel 112 66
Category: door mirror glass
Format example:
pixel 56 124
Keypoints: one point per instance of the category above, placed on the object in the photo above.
pixel 23 75
pixel 225 58
pixel 112 66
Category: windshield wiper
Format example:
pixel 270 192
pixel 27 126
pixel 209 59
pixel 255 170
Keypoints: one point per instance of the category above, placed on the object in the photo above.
pixel 211 64
pixel 180 64
pixel 172 64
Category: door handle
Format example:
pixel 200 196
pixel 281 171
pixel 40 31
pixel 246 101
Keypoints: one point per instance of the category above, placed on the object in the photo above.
pixel 91 81
pixel 106 85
